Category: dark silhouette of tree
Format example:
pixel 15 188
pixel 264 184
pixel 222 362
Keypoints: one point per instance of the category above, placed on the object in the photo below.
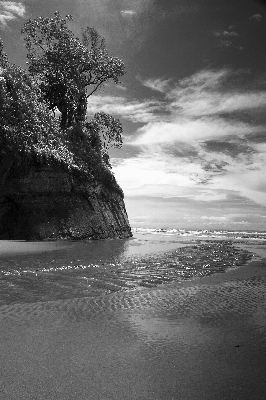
pixel 67 69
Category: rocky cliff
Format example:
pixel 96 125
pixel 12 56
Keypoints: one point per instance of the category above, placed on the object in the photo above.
pixel 41 202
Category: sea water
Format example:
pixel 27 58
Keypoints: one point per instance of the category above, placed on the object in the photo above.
pixel 34 271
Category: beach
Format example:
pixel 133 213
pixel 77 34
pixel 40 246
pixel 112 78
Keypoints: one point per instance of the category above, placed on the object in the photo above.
pixel 200 338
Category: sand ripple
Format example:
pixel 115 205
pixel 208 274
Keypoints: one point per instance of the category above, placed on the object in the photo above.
pixel 241 297
pixel 24 283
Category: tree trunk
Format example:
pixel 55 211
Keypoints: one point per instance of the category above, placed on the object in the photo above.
pixel 81 109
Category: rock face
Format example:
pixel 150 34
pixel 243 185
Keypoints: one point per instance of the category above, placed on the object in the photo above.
pixel 49 202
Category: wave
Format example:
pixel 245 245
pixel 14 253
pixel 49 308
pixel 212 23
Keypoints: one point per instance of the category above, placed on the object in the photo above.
pixel 217 234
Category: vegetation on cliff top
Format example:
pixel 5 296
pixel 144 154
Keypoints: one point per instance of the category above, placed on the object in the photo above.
pixel 43 110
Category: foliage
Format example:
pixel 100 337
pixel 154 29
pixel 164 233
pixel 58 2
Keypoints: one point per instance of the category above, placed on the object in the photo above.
pixel 63 73
pixel 85 144
pixel 27 126
pixel 69 70
pixel 3 56
pixel 109 129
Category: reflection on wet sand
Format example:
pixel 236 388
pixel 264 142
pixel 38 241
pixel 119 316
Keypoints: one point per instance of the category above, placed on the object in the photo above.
pixel 75 333
pixel 93 269
pixel 204 339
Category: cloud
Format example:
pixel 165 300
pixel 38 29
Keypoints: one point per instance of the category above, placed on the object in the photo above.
pixel 219 219
pixel 120 22
pixel 10 10
pixel 159 85
pixel 225 43
pixel 154 174
pixel 224 36
pixel 207 92
pixel 133 110
pixel 189 131
pixel 256 17
pixel 250 184
pixel 160 173
pixel 225 33
pixel 192 105
pixel 199 140
pixel 121 87
pixel 126 13
pixel 184 213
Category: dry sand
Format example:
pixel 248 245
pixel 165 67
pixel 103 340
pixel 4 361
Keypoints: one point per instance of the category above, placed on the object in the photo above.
pixel 202 339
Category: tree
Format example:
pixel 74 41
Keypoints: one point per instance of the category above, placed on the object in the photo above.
pixel 68 70
pixel 110 130
pixel 3 56
pixel 28 129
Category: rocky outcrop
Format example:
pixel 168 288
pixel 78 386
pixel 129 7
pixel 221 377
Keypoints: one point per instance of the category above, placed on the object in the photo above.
pixel 49 202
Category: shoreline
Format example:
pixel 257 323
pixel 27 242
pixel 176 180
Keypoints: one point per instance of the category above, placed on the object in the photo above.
pixel 253 269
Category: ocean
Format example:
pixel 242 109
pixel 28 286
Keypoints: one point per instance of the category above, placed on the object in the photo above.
pixel 44 271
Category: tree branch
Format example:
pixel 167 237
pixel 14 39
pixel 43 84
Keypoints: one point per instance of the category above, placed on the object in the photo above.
pixel 94 90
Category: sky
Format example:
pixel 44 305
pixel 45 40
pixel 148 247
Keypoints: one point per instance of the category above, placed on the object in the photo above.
pixel 192 104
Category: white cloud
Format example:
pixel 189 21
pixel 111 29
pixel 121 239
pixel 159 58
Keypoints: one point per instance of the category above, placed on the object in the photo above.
pixel 217 103
pixel 15 8
pixel 126 13
pixel 121 87
pixel 257 17
pixel 4 18
pixel 225 43
pixel 10 10
pixel 155 175
pixel 135 111
pixel 207 79
pixel 194 103
pixel 159 85
pixel 204 93
pixel 219 219
pixel 176 160
pixel 224 36
pixel 225 33
pixel 161 175
pixel 187 147
pixel 250 184
pixel 190 131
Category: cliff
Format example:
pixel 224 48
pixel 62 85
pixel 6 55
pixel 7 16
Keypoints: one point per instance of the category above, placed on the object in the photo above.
pixel 55 181
pixel 40 202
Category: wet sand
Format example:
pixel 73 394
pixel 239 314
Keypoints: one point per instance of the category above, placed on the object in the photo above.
pixel 18 247
pixel 199 339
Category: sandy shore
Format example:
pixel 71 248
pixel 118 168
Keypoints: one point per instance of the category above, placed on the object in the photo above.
pixel 200 339
pixel 19 247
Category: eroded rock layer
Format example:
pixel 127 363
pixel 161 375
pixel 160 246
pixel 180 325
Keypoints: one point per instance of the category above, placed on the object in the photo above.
pixel 49 202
